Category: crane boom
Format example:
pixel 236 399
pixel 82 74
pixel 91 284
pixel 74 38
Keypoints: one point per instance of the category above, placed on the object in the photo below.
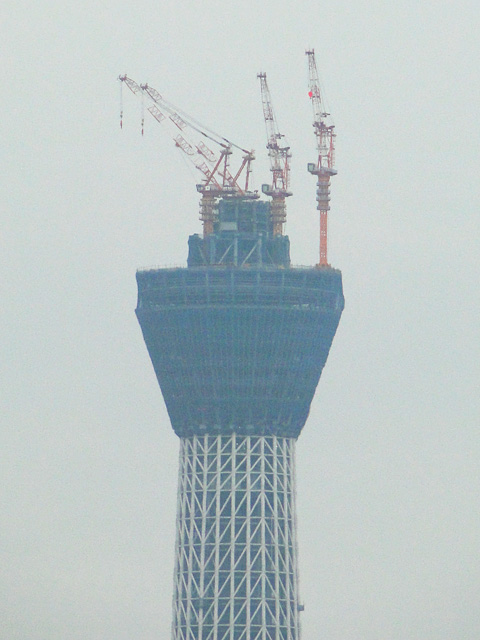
pixel 325 142
pixel 217 180
pixel 279 161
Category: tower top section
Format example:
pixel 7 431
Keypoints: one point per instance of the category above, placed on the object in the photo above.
pixel 242 236
pixel 237 230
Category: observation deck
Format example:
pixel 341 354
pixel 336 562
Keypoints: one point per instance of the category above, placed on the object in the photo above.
pixel 239 349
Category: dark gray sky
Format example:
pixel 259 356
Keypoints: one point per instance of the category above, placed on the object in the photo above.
pixel 388 464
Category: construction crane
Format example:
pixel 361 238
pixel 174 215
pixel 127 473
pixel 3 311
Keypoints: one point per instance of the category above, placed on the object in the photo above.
pixel 217 180
pixel 324 167
pixel 279 161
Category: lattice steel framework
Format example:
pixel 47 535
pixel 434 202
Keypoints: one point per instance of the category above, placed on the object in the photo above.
pixel 236 573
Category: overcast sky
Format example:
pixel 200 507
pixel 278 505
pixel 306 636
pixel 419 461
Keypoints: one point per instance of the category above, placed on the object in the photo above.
pixel 388 463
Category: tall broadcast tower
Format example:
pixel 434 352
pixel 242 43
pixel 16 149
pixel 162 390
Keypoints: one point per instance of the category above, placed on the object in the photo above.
pixel 238 340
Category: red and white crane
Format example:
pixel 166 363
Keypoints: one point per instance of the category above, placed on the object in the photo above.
pixel 279 161
pixel 325 165
pixel 217 181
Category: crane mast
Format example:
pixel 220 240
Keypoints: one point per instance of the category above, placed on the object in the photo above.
pixel 279 161
pixel 217 180
pixel 325 142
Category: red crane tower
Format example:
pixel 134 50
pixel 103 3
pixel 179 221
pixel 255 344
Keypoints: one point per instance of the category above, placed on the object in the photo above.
pixel 217 180
pixel 324 167
pixel 279 161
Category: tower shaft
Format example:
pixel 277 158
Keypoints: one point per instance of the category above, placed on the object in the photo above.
pixel 236 552
pixel 238 341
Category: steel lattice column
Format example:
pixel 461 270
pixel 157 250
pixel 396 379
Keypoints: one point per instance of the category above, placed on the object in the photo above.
pixel 236 575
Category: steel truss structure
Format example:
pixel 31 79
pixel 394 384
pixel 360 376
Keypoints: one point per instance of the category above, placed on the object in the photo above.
pixel 236 572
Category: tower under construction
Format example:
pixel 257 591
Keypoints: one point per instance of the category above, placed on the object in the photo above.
pixel 238 340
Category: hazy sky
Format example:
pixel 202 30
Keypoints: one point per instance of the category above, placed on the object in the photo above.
pixel 388 463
